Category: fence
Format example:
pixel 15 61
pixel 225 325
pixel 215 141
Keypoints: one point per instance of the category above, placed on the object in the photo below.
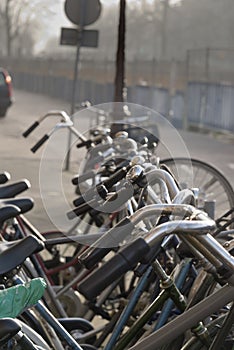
pixel 210 88
pixel 199 91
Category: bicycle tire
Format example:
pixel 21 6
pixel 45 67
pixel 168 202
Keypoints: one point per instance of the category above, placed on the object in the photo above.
pixel 212 184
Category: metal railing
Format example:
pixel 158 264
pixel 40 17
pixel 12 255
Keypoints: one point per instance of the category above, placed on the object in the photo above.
pixel 198 92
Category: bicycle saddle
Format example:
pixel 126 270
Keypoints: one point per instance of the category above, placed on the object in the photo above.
pixel 4 177
pixel 8 328
pixel 10 191
pixel 13 254
pixel 24 204
pixel 8 212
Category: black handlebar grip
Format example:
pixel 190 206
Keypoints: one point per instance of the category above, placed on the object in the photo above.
pixel 81 178
pixel 116 177
pixel 30 129
pixel 125 260
pixel 114 202
pixel 94 258
pixel 86 197
pixel 12 190
pixel 79 201
pixel 86 143
pixel 82 209
pixel 91 195
pixel 39 143
pixel 111 239
pixel 4 177
pixel 118 199
pixel 8 212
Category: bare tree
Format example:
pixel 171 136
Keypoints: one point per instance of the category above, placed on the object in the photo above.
pixel 19 20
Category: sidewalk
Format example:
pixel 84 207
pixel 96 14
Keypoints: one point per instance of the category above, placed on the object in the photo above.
pixel 17 158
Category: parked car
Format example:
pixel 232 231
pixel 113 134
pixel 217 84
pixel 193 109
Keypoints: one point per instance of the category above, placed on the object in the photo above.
pixel 5 91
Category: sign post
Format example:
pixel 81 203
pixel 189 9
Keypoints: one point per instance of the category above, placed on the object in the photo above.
pixel 81 13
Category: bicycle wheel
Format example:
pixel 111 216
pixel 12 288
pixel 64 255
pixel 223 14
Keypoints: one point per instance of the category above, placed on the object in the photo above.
pixel 212 184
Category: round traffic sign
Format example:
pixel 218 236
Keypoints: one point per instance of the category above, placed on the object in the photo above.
pixel 82 12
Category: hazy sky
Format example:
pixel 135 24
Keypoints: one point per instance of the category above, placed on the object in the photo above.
pixel 58 19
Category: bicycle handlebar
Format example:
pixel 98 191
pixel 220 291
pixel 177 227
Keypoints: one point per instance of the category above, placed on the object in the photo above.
pixel 112 204
pixel 40 143
pixel 66 122
pixel 88 143
pixel 129 256
pixel 106 243
pixel 101 187
pixel 116 177
pixel 124 228
pixel 30 129
pixel 126 259
pixel 81 178
pixel 62 114
pixel 81 209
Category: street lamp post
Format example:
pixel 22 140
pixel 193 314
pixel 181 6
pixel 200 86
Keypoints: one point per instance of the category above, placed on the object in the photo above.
pixel 120 88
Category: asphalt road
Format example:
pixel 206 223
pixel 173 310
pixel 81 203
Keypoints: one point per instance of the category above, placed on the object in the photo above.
pixel 40 168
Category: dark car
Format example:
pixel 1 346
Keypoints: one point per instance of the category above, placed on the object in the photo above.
pixel 5 91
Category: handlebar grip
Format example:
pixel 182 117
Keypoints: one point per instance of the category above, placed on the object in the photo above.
pixel 81 178
pixel 113 203
pixel 89 195
pixel 86 143
pixel 82 209
pixel 113 269
pixel 116 177
pixel 118 199
pixel 95 257
pixel 39 143
pixel 30 129
pixel 106 243
pixel 79 201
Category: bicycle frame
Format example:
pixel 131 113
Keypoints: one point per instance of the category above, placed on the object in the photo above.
pixel 214 302
pixel 187 320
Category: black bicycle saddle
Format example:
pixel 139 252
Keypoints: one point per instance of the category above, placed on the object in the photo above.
pixel 8 328
pixel 8 212
pixel 13 254
pixel 4 177
pixel 10 191
pixel 24 204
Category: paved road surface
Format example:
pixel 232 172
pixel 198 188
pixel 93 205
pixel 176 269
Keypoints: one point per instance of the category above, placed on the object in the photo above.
pixel 17 158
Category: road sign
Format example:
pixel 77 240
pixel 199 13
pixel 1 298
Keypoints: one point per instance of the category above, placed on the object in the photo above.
pixel 89 38
pixel 70 36
pixel 82 12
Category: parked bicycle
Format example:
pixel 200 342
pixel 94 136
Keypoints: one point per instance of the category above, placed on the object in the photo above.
pixel 148 255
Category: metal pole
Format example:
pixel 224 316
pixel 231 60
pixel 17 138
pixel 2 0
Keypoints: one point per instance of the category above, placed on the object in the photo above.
pixel 74 89
pixel 120 56
pixel 120 88
pixel 75 79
